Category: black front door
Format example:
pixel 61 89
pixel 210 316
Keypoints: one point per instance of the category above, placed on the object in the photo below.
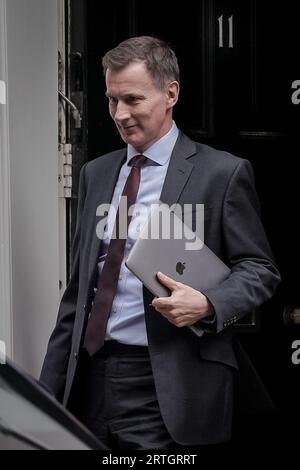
pixel 240 91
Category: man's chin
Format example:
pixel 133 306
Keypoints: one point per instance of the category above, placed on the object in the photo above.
pixel 131 141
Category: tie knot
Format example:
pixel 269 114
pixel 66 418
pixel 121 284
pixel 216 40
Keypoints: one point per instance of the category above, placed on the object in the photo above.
pixel 138 161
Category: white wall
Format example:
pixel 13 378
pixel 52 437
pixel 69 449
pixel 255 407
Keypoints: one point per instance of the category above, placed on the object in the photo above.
pixel 32 103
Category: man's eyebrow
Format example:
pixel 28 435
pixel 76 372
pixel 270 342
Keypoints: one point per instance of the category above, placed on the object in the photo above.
pixel 135 95
pixel 126 95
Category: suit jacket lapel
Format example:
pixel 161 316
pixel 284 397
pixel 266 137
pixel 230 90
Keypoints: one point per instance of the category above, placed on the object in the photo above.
pixel 108 176
pixel 179 170
pixel 178 173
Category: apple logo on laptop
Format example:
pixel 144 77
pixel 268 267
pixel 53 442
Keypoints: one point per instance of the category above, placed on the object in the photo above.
pixel 180 267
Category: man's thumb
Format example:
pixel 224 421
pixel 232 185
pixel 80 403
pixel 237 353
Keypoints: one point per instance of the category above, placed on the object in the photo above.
pixel 167 281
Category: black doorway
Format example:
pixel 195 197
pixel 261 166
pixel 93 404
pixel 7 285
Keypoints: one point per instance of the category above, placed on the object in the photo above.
pixel 240 78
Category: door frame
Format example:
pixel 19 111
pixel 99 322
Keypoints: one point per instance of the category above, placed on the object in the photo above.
pixel 6 316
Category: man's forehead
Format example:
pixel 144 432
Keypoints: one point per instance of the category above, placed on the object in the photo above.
pixel 133 75
pixel 123 89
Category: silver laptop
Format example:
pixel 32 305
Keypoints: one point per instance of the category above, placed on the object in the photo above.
pixel 168 245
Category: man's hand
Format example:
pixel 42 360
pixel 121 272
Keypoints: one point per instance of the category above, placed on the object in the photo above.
pixel 185 306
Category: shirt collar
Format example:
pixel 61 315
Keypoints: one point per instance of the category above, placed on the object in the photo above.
pixel 160 151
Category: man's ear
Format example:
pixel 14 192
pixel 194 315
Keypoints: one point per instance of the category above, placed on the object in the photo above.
pixel 172 93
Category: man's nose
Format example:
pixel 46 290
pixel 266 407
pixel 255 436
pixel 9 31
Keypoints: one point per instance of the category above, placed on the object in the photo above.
pixel 122 112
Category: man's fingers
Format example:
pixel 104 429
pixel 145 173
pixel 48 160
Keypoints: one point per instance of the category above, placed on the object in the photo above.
pixel 167 281
pixel 163 303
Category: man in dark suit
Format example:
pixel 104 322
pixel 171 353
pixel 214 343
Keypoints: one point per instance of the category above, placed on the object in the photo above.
pixel 151 383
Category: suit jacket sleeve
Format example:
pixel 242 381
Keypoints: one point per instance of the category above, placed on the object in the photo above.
pixel 254 275
pixel 54 369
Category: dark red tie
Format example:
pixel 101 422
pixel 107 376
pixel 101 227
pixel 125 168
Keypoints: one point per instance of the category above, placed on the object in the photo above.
pixel 108 279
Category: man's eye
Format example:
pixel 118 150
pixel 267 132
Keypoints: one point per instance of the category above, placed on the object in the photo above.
pixel 112 100
pixel 132 99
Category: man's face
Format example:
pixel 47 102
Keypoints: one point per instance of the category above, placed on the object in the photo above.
pixel 142 112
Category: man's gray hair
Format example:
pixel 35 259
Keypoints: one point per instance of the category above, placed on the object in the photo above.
pixel 156 54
